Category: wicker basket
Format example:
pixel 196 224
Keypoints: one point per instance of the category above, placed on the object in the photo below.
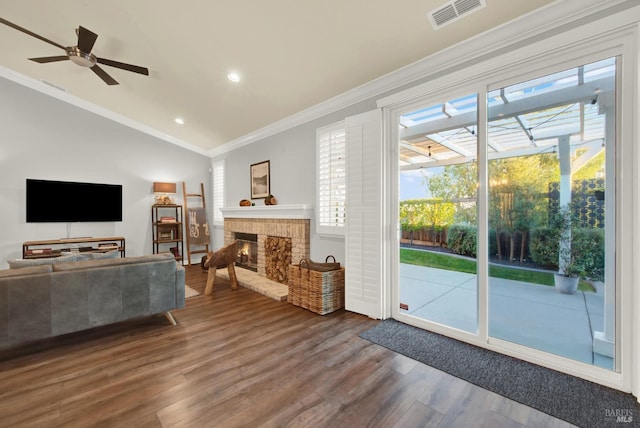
pixel 321 292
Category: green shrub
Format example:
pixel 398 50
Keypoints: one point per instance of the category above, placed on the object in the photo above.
pixel 462 240
pixel 545 243
pixel 543 247
pixel 591 261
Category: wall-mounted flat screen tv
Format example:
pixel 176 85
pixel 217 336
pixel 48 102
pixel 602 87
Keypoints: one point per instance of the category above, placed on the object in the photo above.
pixel 65 201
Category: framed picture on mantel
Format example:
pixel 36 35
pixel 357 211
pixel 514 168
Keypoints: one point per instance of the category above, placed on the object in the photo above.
pixel 260 180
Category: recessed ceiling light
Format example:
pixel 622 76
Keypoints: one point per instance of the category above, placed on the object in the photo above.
pixel 234 77
pixel 179 120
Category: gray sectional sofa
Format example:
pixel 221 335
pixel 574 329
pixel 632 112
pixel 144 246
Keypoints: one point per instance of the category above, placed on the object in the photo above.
pixel 53 299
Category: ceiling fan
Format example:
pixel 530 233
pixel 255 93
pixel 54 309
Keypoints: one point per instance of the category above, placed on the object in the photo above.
pixel 81 53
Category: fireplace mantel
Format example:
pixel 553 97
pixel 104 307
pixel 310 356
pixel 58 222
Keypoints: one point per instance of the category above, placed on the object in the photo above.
pixel 297 211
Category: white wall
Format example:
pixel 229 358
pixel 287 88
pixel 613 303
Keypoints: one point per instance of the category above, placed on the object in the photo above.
pixel 43 137
pixel 292 154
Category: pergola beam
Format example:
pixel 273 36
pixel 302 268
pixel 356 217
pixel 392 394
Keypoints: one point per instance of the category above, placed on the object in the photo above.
pixel 595 147
pixel 417 149
pixel 449 145
pixel 565 96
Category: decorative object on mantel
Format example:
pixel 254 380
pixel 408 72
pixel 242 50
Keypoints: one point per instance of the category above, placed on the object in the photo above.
pixel 260 180
pixel 162 191
pixel 245 203
pixel 270 200
pixel 315 288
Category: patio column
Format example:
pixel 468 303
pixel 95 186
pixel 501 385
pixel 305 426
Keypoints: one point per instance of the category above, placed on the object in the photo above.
pixel 603 341
pixel 564 153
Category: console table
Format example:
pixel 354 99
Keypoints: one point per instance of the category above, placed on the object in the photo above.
pixel 53 247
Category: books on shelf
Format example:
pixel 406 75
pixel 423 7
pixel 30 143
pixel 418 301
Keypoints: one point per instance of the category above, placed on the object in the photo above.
pixel 108 246
pixel 38 251
pixel 168 219
pixel 168 234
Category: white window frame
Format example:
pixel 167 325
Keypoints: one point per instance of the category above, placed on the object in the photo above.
pixel 218 192
pixel 330 138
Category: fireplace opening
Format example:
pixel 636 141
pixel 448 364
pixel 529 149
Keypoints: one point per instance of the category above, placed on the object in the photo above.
pixel 247 251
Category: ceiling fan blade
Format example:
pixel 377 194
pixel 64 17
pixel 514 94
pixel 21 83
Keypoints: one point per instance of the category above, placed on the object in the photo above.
pixel 104 76
pixel 31 33
pixel 86 39
pixel 45 59
pixel 122 65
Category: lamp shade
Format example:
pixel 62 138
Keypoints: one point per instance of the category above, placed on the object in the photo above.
pixel 164 187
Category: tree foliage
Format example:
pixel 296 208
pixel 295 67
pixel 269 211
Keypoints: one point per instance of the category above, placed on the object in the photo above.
pixel 457 183
pixel 426 213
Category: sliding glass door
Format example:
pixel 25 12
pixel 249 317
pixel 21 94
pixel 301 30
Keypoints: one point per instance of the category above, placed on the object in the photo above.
pixel 551 213
pixel 438 213
pixel 528 193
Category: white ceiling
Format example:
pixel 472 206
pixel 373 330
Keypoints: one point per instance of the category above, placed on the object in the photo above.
pixel 291 54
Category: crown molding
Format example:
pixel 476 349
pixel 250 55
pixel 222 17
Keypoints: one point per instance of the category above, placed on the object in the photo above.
pixel 552 19
pixel 62 95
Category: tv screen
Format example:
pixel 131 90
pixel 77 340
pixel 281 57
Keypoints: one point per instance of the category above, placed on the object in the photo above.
pixel 65 201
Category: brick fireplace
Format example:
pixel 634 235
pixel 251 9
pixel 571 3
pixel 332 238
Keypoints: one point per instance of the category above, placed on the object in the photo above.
pixel 289 222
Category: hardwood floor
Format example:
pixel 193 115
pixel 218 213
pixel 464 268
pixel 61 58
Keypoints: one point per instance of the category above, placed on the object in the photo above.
pixel 239 359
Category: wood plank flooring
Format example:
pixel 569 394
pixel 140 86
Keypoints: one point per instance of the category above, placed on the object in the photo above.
pixel 239 359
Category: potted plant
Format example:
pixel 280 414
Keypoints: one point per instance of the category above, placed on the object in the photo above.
pixel 580 252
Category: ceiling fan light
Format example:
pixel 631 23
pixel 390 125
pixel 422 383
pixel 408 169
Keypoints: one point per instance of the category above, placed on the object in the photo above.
pixel 234 77
pixel 82 59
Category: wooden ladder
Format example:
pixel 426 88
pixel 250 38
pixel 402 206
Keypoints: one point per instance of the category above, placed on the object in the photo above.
pixel 204 247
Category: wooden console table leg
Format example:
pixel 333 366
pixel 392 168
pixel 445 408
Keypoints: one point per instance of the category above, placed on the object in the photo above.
pixel 211 277
pixel 232 276
pixel 170 317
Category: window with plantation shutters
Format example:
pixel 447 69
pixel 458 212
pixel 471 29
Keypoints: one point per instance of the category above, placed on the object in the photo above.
pixel 218 190
pixel 331 176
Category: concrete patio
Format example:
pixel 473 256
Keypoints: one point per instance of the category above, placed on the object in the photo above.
pixel 528 314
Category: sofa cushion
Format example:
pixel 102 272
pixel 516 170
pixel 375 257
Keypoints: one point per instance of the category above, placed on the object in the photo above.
pixel 113 254
pixel 23 263
pixel 79 256
pixel 112 262
pixel 88 255
pixel 5 273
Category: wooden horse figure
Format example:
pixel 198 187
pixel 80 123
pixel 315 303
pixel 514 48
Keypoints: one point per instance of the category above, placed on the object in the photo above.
pixel 224 257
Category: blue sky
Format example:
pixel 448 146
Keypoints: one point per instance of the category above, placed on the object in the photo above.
pixel 412 185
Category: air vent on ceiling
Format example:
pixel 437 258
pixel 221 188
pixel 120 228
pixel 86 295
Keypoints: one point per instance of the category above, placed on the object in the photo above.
pixel 453 11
